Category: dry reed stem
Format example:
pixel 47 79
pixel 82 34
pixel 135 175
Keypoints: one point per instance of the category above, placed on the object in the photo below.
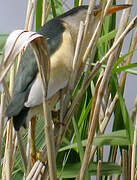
pixel 99 99
pixel 44 12
pixel 43 67
pixel 129 162
pixel 117 177
pixel 76 64
pixel 33 170
pixel 96 112
pixel 103 125
pixel 107 117
pixel 123 23
pixel 76 59
pixel 38 171
pixel 134 151
pixel 22 150
pixel 28 26
pixel 15 147
pixel 7 166
pixel 80 2
pixel 124 164
pixel 2 111
pixel 94 100
pixel 114 152
pixel 28 154
pixel 92 44
pixel 48 10
pixel 12 77
pixel 78 56
pixel 60 118
pixel 6 170
pixel 99 170
pixel 128 61
pixel 30 14
pixel 108 113
pixel 134 110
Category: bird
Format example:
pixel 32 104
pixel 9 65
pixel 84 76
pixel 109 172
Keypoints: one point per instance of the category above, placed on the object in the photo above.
pixel 61 37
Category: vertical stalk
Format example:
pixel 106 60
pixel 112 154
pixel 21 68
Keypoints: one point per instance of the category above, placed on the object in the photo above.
pixel 134 151
pixel 2 108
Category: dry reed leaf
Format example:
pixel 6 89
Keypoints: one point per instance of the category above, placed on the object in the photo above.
pixel 16 42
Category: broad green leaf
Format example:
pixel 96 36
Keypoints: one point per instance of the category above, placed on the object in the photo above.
pixel 39 14
pixel 107 37
pixel 78 138
pixel 72 170
pixel 121 59
pixel 132 72
pixel 126 118
pixel 76 3
pixel 124 68
pixel 53 8
pixel 115 138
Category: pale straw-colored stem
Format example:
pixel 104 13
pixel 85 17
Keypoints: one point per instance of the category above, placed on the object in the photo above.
pixel 92 128
pixel 44 12
pixel 99 170
pixel 80 2
pixel 33 170
pixel 38 171
pixel 128 61
pixel 2 110
pixel 104 123
pixel 76 64
pixel 22 150
pixel 134 110
pixel 78 55
pixel 43 67
pixel 7 167
pixel 134 151
pixel 118 176
pixel 124 164
pixel 28 153
pixel 30 14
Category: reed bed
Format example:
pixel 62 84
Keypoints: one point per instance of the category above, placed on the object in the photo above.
pixel 75 147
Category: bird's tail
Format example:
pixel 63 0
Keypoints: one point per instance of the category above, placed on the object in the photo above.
pixel 20 119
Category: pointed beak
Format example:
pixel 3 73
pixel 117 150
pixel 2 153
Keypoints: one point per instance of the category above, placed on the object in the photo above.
pixel 112 9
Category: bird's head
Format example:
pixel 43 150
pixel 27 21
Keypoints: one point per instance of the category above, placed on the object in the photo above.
pixel 73 17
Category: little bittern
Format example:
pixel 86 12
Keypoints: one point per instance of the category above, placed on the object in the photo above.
pixel 61 34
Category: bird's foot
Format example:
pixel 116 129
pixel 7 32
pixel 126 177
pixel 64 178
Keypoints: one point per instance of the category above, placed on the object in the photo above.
pixel 37 155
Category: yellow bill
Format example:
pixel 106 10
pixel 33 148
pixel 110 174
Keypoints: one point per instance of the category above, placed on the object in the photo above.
pixel 112 9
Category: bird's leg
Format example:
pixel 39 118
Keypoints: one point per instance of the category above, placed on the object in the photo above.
pixel 32 140
pixel 35 155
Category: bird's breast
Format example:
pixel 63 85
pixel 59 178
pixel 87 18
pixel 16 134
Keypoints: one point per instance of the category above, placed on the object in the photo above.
pixel 60 69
